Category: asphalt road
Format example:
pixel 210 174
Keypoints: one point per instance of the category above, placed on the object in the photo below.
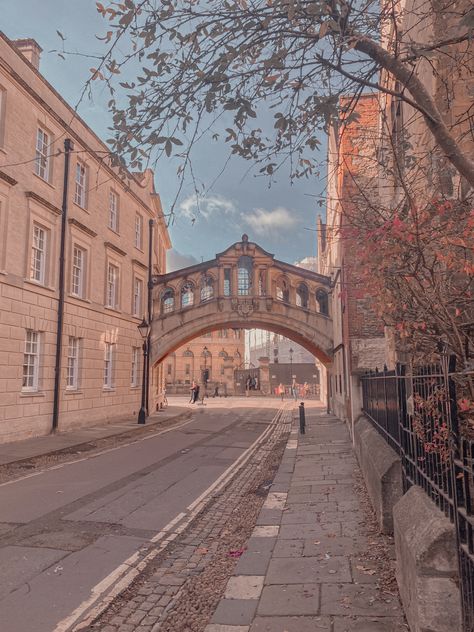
pixel 68 528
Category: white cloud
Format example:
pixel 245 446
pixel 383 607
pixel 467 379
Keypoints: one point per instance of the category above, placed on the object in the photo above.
pixel 206 206
pixel 263 221
pixel 175 260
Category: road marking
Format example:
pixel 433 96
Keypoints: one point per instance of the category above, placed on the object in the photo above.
pixel 96 454
pixel 120 578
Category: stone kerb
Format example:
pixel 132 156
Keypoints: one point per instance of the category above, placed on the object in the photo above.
pixel 427 571
pixel 381 468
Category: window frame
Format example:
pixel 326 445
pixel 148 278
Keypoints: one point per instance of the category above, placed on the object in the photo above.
pixel 137 310
pixel 138 239
pixel 80 195
pixel 114 208
pixel 109 366
pixel 116 295
pixel 34 386
pixel 73 385
pixel 44 260
pixel 135 368
pixel 42 167
pixel 83 271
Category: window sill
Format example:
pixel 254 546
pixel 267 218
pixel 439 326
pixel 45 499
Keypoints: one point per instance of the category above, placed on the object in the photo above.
pixel 112 309
pixel 135 388
pixel 44 181
pixel 80 298
pixel 32 394
pixel 139 249
pixel 73 391
pixel 83 208
pixel 41 285
pixel 112 230
pixel 108 389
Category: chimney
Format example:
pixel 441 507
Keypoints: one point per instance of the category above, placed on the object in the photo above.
pixel 30 49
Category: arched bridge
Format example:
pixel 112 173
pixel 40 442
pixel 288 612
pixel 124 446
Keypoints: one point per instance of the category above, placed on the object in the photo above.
pixel 243 287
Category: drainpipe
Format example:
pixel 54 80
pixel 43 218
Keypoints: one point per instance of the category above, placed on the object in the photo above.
pixel 150 307
pixel 68 147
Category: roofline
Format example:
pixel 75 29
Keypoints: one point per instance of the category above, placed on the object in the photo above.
pixel 197 267
pixel 250 243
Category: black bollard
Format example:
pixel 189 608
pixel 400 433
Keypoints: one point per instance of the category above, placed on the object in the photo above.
pixel 302 418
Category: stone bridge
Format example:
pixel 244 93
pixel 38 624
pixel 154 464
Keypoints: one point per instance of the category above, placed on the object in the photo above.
pixel 243 287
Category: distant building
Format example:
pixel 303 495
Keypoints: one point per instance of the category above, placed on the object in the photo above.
pixel 105 264
pixel 218 353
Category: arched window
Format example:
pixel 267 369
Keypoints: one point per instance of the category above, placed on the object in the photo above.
pixel 188 353
pixel 237 359
pixel 244 275
pixel 302 296
pixel 223 354
pixel 187 295
pixel 207 288
pixel 167 301
pixel 283 291
pixel 322 300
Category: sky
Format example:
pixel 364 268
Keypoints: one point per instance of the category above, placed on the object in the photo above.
pixel 277 217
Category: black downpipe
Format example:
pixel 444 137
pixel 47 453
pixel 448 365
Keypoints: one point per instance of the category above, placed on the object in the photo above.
pixel 68 147
pixel 150 308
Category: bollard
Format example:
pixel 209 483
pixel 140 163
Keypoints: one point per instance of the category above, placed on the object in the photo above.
pixel 302 418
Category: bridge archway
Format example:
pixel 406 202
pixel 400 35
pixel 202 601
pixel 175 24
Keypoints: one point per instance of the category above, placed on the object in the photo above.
pixel 243 287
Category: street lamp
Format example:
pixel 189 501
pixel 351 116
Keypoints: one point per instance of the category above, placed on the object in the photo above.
pixel 144 329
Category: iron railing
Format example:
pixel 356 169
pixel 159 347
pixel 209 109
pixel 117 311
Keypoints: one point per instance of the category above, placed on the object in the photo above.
pixel 416 414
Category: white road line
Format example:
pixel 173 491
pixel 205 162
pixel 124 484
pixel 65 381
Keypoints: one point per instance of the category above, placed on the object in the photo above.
pixel 120 578
pixel 96 454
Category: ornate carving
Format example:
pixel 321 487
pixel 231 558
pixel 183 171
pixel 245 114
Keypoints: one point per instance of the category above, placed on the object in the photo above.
pixel 220 304
pixel 245 307
pixel 269 304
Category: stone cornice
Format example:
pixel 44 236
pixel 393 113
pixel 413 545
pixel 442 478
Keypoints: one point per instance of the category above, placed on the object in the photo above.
pixel 138 263
pixel 7 178
pixel 85 229
pixel 41 200
pixel 119 251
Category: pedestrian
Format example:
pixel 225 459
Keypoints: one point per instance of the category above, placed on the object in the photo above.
pixel 216 391
pixel 281 391
pixel 306 389
pixel 196 393
pixel 192 391
pixel 248 382
pixel 294 389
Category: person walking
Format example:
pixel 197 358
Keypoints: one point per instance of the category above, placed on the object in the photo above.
pixel 281 391
pixel 196 393
pixel 192 391
pixel 294 389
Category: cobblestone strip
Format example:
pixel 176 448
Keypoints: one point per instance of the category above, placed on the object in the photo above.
pixel 181 588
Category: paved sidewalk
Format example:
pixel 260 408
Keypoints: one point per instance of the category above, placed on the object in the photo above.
pixel 39 446
pixel 307 566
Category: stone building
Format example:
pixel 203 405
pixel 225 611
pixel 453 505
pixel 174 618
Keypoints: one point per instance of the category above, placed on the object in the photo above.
pixel 359 342
pixel 219 353
pixel 105 260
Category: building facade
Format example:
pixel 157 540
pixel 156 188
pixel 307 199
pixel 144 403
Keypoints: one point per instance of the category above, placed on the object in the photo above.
pixel 359 340
pixel 218 353
pixel 105 264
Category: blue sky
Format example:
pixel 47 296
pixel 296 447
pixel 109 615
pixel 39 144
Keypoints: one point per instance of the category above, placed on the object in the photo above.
pixel 237 202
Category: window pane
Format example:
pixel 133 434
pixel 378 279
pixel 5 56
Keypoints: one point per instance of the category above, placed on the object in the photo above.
pixel 42 157
pixel 38 252
pixel 31 361
pixel 80 185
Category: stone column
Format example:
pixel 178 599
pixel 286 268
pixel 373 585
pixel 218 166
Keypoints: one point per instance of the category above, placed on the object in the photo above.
pixel 220 281
pixel 264 366
pixel 234 284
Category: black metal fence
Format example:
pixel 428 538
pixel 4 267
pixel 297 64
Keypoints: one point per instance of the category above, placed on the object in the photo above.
pixel 416 413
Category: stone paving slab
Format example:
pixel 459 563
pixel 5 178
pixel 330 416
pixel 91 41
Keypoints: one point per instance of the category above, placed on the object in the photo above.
pixel 357 599
pixel 244 587
pixel 217 627
pixel 308 570
pixel 261 545
pixel 288 600
pixel 369 624
pixel 253 562
pixel 235 611
pixel 291 624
